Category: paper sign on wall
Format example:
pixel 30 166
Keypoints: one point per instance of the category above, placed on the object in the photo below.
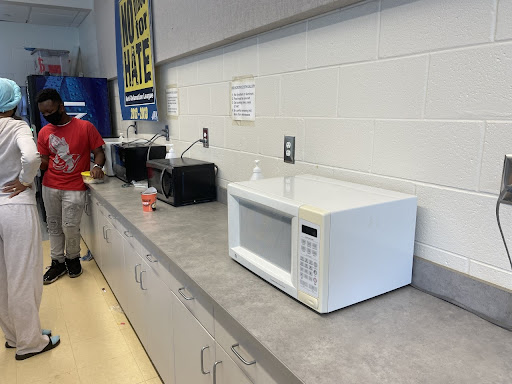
pixel 243 100
pixel 172 101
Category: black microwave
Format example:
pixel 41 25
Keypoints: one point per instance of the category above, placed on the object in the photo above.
pixel 129 160
pixel 182 181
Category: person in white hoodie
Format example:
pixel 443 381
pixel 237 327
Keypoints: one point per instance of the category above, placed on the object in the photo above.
pixel 21 252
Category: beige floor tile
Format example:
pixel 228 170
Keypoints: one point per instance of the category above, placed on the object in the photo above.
pixel 99 349
pixel 51 298
pixel 46 365
pixel 89 320
pixel 63 378
pixel 7 365
pixel 156 380
pixel 145 365
pixel 82 288
pixel 119 370
pixel 53 319
pixel 131 339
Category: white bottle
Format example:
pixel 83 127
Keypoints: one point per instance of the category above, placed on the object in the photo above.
pixel 256 172
pixel 171 154
pixel 121 137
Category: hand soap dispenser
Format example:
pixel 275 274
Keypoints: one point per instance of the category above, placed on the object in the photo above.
pixel 256 172
pixel 171 154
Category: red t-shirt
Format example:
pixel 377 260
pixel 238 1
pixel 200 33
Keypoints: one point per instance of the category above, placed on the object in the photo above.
pixel 69 148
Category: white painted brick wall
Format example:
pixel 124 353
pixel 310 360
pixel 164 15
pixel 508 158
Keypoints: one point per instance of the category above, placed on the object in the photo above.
pixel 504 26
pixel 271 132
pixel 341 143
pixel 241 59
pixel 426 25
pixel 310 93
pixel 471 83
pixel 498 139
pixel 410 95
pixel 267 96
pixel 283 50
pixel 344 36
pixel 384 89
pixel 438 152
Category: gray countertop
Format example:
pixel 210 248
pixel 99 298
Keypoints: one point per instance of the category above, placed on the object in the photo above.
pixel 405 336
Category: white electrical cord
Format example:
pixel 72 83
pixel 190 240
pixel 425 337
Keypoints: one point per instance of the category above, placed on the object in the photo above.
pixel 500 199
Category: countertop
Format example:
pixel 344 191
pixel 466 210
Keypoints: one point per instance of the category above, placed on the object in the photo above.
pixel 405 336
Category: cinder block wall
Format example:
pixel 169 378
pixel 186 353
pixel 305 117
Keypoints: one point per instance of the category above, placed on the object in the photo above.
pixel 413 96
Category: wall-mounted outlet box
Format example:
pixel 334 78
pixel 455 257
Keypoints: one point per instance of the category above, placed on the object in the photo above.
pixel 506 180
pixel 166 131
pixel 206 138
pixel 289 149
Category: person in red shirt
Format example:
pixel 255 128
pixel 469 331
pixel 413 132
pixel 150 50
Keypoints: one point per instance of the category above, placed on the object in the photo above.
pixel 65 146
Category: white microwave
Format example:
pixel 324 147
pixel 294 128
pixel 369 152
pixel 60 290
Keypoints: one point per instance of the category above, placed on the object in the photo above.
pixel 327 243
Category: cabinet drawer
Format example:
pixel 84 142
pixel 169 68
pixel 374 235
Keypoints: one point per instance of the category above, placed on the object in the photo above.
pixel 198 304
pixel 157 264
pixel 129 237
pixel 240 347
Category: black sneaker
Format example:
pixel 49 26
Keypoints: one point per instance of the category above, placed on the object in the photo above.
pixel 73 266
pixel 55 271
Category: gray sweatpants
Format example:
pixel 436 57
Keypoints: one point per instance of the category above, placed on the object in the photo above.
pixel 21 286
pixel 63 215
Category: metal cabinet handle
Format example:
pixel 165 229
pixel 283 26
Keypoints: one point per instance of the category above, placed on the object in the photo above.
pixel 140 276
pixel 127 234
pixel 182 294
pixel 137 265
pixel 106 234
pixel 240 357
pixel 215 371
pixel 151 258
pixel 202 360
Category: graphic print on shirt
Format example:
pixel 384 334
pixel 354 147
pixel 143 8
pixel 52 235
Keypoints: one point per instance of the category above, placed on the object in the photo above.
pixel 63 161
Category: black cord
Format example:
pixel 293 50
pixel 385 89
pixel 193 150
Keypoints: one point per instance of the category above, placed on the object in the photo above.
pixel 500 199
pixel 197 141
pixel 151 142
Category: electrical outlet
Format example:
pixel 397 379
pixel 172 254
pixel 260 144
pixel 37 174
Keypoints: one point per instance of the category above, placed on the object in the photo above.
pixel 166 130
pixel 206 138
pixel 289 149
pixel 506 180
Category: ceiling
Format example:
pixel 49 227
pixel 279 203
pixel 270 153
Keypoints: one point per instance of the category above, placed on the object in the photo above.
pixel 30 13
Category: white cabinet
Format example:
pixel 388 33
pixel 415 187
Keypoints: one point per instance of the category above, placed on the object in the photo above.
pixel 172 317
pixel 87 221
pixel 194 348
pixel 136 292
pixel 159 323
pixel 225 370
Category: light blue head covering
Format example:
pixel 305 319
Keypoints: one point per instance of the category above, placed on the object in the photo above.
pixel 10 94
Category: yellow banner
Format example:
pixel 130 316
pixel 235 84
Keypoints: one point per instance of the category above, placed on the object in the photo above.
pixel 136 44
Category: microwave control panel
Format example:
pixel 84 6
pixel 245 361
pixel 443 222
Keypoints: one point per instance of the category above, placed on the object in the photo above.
pixel 309 257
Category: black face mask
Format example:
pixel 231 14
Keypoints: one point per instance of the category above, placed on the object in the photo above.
pixel 54 118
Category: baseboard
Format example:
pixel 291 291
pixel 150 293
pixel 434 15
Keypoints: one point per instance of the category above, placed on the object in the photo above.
pixel 485 300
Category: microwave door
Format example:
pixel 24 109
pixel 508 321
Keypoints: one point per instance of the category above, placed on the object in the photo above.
pixel 263 237
pixel 166 184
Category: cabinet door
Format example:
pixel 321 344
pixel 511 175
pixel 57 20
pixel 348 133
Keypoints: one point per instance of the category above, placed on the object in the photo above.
pixel 113 259
pixel 97 232
pixel 86 222
pixel 133 304
pixel 194 348
pixel 158 321
pixel 225 371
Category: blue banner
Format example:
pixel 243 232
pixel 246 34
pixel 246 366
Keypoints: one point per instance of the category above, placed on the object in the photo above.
pixel 135 67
